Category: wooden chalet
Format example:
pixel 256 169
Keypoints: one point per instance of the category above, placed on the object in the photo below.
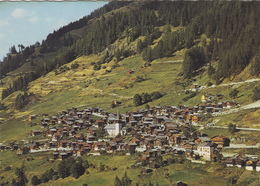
pixel 32 117
pixel 241 160
pixel 220 140
pixel 35 132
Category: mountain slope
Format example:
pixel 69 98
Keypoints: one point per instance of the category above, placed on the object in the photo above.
pixel 125 39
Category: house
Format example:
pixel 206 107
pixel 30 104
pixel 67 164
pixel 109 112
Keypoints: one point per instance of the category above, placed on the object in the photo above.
pixel 230 103
pixel 230 161
pixel 97 146
pixel 99 123
pixel 220 140
pixel 55 155
pixel 32 146
pixel 117 140
pixel 117 103
pixel 92 131
pixel 2 146
pixel 195 88
pixel 249 165
pixel 202 140
pixel 56 137
pixel 240 160
pixel 206 150
pixel 44 124
pixel 204 98
pixel 111 146
pixel 63 143
pixel 130 71
pixel 196 118
pixel 108 71
pixel 35 132
pixel 258 166
pixel 31 117
pixel 62 156
pixel 135 140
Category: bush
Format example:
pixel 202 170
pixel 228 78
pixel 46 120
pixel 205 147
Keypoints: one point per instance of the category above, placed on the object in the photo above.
pixel 55 177
pixel 75 65
pixel 115 66
pixel 232 128
pixel 7 168
pixel 156 95
pixel 209 84
pixel 96 67
pixel 193 94
pixel 35 180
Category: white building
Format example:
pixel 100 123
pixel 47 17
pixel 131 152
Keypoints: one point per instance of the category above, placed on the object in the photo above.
pixel 249 165
pixel 206 150
pixel 258 166
pixel 116 128
pixel 113 129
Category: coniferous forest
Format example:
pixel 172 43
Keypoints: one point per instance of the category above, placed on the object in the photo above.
pixel 233 29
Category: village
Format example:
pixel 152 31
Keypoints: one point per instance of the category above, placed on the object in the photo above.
pixel 147 132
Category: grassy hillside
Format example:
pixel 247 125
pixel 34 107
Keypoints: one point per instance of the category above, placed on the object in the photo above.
pixel 82 86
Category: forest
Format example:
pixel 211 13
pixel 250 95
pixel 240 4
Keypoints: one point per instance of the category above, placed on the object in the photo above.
pixel 232 29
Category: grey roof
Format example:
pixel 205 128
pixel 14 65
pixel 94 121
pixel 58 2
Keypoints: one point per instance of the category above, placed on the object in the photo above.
pixel 205 139
pixel 110 127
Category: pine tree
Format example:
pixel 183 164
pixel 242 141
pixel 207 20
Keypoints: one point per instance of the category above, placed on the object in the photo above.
pixel 77 170
pixel 63 171
pixel 21 177
pixel 139 46
pixel 126 181
pixel 137 100
pixel 35 180
pixel 146 98
pixel 117 182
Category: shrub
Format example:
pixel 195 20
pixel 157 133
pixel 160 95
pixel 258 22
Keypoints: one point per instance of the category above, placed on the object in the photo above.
pixel 156 95
pixel 55 177
pixel 75 65
pixel 7 168
pixel 35 180
pixel 115 66
pixel 96 67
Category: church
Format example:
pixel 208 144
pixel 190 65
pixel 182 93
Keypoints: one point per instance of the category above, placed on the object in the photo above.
pixel 115 128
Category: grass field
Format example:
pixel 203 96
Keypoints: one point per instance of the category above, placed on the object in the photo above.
pixel 85 87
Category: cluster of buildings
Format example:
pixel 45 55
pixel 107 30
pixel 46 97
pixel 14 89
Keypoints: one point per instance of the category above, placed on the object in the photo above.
pixel 242 160
pixel 162 129
pixel 150 132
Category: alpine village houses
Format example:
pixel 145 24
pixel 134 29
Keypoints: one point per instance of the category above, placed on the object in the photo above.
pixel 155 131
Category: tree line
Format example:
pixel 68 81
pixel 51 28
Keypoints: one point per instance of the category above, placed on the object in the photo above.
pixel 145 98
